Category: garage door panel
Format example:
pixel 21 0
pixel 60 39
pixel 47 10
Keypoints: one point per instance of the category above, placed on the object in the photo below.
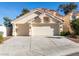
pixel 44 31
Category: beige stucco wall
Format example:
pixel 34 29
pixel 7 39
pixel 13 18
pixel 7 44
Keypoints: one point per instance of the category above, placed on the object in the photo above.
pixel 21 30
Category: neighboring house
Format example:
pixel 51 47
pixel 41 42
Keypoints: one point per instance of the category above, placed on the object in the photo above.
pixel 3 30
pixel 41 21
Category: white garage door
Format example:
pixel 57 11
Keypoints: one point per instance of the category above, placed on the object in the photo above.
pixel 43 31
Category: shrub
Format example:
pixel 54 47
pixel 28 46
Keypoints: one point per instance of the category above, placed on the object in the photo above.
pixel 75 26
pixel 63 33
pixel 1 38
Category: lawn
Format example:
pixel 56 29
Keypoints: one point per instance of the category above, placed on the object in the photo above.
pixel 1 38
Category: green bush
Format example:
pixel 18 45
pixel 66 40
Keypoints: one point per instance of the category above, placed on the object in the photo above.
pixel 1 38
pixel 75 26
pixel 63 33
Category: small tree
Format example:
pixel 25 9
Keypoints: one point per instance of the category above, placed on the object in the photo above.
pixel 66 8
pixel 75 26
pixel 8 25
pixel 7 22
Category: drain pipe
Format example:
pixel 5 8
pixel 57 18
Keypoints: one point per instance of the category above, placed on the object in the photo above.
pixel 30 40
pixel 30 44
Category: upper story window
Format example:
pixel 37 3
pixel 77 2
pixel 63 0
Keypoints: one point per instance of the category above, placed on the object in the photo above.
pixel 37 12
pixel 46 19
pixel 37 20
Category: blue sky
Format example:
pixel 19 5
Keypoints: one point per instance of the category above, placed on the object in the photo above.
pixel 12 9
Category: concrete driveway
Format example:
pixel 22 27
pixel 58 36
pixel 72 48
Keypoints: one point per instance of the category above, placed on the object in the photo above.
pixel 38 46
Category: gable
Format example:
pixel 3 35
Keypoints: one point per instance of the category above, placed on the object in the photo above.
pixel 31 15
pixel 45 18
